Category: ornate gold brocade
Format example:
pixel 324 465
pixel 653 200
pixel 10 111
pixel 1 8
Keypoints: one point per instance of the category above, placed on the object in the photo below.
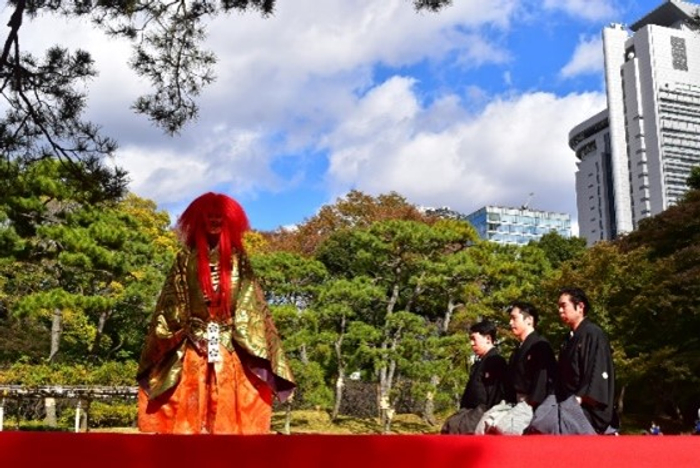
pixel 180 320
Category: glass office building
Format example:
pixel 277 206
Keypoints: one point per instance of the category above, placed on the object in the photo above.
pixel 517 226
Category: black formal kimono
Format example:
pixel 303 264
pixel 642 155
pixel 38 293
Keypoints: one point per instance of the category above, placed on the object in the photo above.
pixel 532 369
pixel 485 388
pixel 487 381
pixel 586 370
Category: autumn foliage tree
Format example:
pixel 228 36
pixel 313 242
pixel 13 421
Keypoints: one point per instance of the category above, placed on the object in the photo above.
pixel 355 210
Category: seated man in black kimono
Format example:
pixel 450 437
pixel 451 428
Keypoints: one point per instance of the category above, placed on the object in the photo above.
pixel 487 381
pixel 585 388
pixel 531 373
pixel 532 367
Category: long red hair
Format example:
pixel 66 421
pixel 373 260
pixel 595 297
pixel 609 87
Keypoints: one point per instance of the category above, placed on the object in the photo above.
pixel 192 227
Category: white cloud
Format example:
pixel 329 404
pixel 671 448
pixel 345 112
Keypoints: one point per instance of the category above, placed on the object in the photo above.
pixel 114 89
pixel 290 77
pixel 591 10
pixel 305 78
pixel 517 145
pixel 325 37
pixel 587 58
pixel 312 57
pixel 222 159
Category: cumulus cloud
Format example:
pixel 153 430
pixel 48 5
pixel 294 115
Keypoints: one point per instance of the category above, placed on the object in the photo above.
pixel 288 79
pixel 517 145
pixel 311 58
pixel 587 58
pixel 235 162
pixel 303 84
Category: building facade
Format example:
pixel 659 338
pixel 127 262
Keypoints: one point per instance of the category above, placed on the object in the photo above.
pixel 517 226
pixel 635 156
pixel 594 181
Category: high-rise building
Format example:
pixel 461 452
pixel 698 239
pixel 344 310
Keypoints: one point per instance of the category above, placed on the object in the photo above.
pixel 636 155
pixel 517 226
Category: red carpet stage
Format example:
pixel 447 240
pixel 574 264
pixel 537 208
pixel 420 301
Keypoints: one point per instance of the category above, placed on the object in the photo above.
pixel 105 450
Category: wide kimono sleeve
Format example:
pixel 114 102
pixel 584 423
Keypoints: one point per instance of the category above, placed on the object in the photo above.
pixel 255 333
pixel 597 384
pixel 160 365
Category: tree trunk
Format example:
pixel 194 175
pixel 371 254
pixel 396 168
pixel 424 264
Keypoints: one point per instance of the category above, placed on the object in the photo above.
pixel 417 290
pixel 56 330
pixel 385 375
pixel 303 352
pixel 451 306
pixel 14 24
pixel 384 392
pixel 340 381
pixel 429 411
pixel 304 355
pixel 104 316
pixel 389 411
pixel 116 348
pixel 621 400
pixel 339 386
pixel 386 405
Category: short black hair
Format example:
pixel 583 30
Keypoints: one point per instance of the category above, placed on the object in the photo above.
pixel 577 297
pixel 527 309
pixel 484 328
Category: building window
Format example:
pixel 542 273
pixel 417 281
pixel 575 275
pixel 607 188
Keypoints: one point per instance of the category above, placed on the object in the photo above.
pixel 678 53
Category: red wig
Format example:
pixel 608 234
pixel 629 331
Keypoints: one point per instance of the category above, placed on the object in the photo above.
pixel 192 226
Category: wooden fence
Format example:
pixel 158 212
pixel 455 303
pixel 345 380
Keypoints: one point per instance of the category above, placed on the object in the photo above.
pixel 82 394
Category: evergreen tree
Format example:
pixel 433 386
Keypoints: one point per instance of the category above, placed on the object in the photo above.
pixel 80 278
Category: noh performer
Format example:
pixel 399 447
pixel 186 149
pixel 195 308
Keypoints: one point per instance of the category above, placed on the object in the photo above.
pixel 212 359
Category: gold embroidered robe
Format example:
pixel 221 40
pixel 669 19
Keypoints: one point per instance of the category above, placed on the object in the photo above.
pixel 180 321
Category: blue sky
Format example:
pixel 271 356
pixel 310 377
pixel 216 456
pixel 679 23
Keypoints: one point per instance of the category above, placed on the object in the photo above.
pixel 467 107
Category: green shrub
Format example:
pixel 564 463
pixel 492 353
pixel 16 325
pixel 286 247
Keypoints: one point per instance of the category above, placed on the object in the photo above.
pixel 104 414
pixel 115 373
pixel 33 375
pixel 40 426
